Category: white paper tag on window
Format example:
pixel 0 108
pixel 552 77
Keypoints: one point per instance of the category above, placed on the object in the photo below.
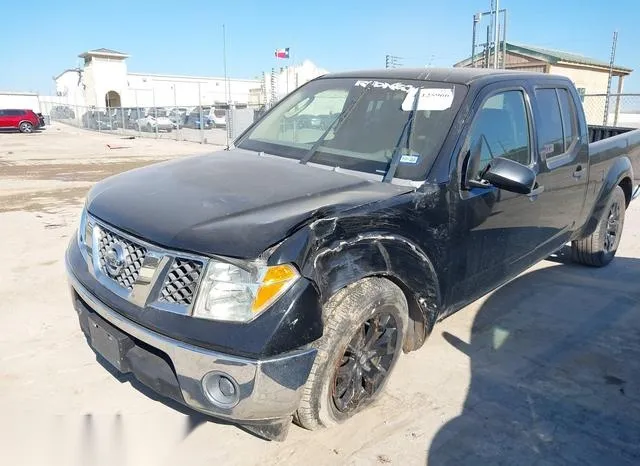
pixel 429 99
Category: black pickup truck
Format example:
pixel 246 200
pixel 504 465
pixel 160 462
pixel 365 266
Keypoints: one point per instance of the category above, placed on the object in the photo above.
pixel 283 278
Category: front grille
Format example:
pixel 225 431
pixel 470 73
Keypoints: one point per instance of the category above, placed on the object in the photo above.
pixel 135 254
pixel 182 279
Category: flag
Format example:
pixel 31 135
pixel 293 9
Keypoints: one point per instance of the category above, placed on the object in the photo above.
pixel 282 53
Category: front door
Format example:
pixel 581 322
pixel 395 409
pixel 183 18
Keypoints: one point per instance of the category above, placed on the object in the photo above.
pixel 498 229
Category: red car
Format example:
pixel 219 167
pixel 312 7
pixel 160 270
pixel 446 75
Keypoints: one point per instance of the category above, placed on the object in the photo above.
pixel 26 121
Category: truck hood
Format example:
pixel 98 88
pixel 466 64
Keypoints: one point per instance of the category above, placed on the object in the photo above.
pixel 232 203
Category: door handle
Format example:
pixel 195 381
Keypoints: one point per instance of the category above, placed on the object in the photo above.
pixel 578 173
pixel 535 192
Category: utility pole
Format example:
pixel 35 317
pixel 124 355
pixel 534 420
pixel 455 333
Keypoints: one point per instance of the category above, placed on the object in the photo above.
pixel 476 20
pixel 496 33
pixel 227 97
pixel 496 37
pixel 611 62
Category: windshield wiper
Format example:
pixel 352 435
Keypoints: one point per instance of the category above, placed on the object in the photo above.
pixel 335 124
pixel 397 154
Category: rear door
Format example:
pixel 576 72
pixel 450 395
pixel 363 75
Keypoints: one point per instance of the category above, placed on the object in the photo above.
pixel 564 161
pixel 11 118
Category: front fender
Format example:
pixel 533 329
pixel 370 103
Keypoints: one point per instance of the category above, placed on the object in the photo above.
pixel 332 263
pixel 620 169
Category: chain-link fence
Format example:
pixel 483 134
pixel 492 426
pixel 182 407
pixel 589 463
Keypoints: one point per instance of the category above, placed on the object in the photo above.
pixel 207 124
pixel 621 110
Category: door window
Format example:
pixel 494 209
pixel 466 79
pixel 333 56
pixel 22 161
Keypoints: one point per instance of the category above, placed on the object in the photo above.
pixel 569 118
pixel 501 129
pixel 549 126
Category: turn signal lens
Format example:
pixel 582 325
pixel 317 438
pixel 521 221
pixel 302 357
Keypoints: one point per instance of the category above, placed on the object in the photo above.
pixel 277 279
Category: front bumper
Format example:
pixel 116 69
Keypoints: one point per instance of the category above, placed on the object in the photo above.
pixel 269 389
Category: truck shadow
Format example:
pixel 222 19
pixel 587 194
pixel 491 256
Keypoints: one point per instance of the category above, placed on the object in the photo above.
pixel 555 371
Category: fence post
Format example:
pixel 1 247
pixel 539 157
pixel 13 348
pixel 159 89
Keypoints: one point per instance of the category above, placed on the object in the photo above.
pixel 155 110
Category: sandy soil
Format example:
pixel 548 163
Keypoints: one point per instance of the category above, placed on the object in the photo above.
pixel 546 370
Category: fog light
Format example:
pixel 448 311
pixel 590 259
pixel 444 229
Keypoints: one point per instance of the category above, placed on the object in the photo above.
pixel 221 389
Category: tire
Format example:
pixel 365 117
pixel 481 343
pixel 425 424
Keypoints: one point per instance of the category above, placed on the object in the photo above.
pixel 350 312
pixel 598 249
pixel 26 127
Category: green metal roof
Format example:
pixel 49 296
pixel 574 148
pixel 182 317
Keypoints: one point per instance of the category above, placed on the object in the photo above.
pixel 555 56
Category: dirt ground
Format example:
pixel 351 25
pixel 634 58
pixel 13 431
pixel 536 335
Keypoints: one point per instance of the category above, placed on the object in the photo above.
pixel 545 370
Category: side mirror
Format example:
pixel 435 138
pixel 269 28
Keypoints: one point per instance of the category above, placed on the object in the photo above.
pixel 510 176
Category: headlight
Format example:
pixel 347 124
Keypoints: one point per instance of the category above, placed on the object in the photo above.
pixel 85 232
pixel 82 228
pixel 233 293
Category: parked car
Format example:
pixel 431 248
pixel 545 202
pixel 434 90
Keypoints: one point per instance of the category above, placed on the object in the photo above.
pixel 25 121
pixel 156 120
pixel 218 117
pixel 98 120
pixel 197 121
pixel 62 112
pixel 178 116
pixel 286 276
pixel 132 115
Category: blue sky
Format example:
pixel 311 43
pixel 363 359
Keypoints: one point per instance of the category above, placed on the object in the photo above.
pixel 181 37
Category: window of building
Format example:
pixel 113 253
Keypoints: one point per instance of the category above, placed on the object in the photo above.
pixel 501 129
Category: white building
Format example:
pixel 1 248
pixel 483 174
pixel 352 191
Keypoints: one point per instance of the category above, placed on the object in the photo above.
pixel 104 81
pixel 280 82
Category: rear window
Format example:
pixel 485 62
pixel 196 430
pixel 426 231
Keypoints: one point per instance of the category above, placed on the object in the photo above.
pixel 550 132
pixel 569 119
pixel 219 113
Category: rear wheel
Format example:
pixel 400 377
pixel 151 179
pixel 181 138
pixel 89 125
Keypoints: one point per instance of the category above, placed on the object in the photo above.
pixel 26 127
pixel 364 330
pixel 600 247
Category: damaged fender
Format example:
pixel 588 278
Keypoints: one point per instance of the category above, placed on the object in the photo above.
pixel 333 260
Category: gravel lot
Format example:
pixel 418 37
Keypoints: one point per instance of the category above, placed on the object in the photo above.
pixel 546 370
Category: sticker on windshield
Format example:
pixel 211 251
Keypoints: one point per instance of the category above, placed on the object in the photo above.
pixel 385 85
pixel 412 159
pixel 429 99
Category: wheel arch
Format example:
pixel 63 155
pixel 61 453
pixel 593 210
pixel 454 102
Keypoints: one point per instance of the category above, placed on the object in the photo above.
pixel 620 173
pixel 393 257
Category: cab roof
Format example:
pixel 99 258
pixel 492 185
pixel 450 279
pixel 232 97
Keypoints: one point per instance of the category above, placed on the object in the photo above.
pixel 464 76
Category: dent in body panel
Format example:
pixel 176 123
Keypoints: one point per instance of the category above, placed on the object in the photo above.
pixel 403 238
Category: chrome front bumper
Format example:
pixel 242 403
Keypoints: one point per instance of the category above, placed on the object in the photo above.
pixel 269 389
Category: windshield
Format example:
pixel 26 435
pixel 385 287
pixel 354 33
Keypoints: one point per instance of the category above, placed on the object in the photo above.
pixel 370 126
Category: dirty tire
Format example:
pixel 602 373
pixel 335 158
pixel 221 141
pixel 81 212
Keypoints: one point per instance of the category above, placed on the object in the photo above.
pixel 26 127
pixel 352 314
pixel 598 249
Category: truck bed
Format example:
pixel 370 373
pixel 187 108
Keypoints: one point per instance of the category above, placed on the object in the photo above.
pixel 607 143
pixel 599 132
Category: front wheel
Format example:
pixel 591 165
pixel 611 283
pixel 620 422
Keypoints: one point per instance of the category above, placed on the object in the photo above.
pixel 362 341
pixel 26 127
pixel 600 247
